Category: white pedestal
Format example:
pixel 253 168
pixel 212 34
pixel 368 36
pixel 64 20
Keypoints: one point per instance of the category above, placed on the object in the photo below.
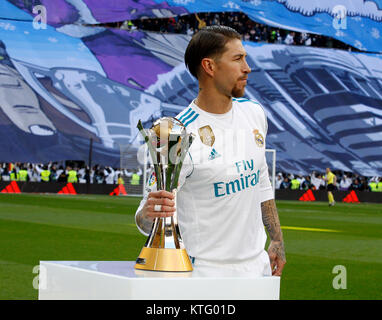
pixel 117 280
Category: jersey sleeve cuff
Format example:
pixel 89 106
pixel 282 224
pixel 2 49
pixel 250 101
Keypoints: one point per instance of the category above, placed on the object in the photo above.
pixel 267 194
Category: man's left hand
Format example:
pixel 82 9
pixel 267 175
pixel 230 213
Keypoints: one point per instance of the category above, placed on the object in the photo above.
pixel 277 257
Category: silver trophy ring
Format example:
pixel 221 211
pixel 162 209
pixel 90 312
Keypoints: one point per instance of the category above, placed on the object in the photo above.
pixel 158 207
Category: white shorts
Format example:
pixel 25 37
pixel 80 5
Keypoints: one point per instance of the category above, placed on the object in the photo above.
pixel 253 268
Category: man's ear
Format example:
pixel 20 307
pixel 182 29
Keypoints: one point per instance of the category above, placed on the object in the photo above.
pixel 208 65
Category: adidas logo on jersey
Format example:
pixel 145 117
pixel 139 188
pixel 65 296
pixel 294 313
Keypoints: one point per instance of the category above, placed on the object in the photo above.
pixel 214 154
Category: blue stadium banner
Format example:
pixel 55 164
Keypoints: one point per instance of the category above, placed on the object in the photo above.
pixel 355 22
pixel 64 86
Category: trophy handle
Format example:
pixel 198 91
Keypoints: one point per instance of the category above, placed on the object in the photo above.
pixel 154 155
pixel 186 144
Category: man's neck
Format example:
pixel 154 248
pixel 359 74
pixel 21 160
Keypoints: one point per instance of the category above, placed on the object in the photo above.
pixel 213 102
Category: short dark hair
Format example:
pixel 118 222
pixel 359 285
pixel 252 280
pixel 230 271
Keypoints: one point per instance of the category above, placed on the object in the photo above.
pixel 207 42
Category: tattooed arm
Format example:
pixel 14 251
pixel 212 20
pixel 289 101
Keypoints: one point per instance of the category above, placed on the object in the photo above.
pixel 276 248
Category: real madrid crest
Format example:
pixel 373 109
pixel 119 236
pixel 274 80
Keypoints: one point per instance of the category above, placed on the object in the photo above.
pixel 207 135
pixel 258 138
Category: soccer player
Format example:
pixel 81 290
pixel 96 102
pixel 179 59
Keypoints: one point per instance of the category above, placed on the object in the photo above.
pixel 224 197
pixel 331 180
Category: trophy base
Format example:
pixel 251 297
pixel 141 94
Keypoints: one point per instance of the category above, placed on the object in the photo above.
pixel 159 259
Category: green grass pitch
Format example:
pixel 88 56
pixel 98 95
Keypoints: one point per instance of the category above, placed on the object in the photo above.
pixel 317 239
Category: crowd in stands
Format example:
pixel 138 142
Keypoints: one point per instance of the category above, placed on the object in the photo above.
pixel 346 181
pixel 250 30
pixel 80 173
pixel 73 172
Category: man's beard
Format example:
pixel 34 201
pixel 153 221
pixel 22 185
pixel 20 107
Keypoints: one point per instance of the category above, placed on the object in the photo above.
pixel 238 92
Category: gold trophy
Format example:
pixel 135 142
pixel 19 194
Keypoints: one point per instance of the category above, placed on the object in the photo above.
pixel 168 143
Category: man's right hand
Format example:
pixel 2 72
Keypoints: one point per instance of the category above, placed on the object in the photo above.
pixel 163 200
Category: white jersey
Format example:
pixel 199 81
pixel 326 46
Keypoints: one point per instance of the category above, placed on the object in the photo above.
pixel 222 183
